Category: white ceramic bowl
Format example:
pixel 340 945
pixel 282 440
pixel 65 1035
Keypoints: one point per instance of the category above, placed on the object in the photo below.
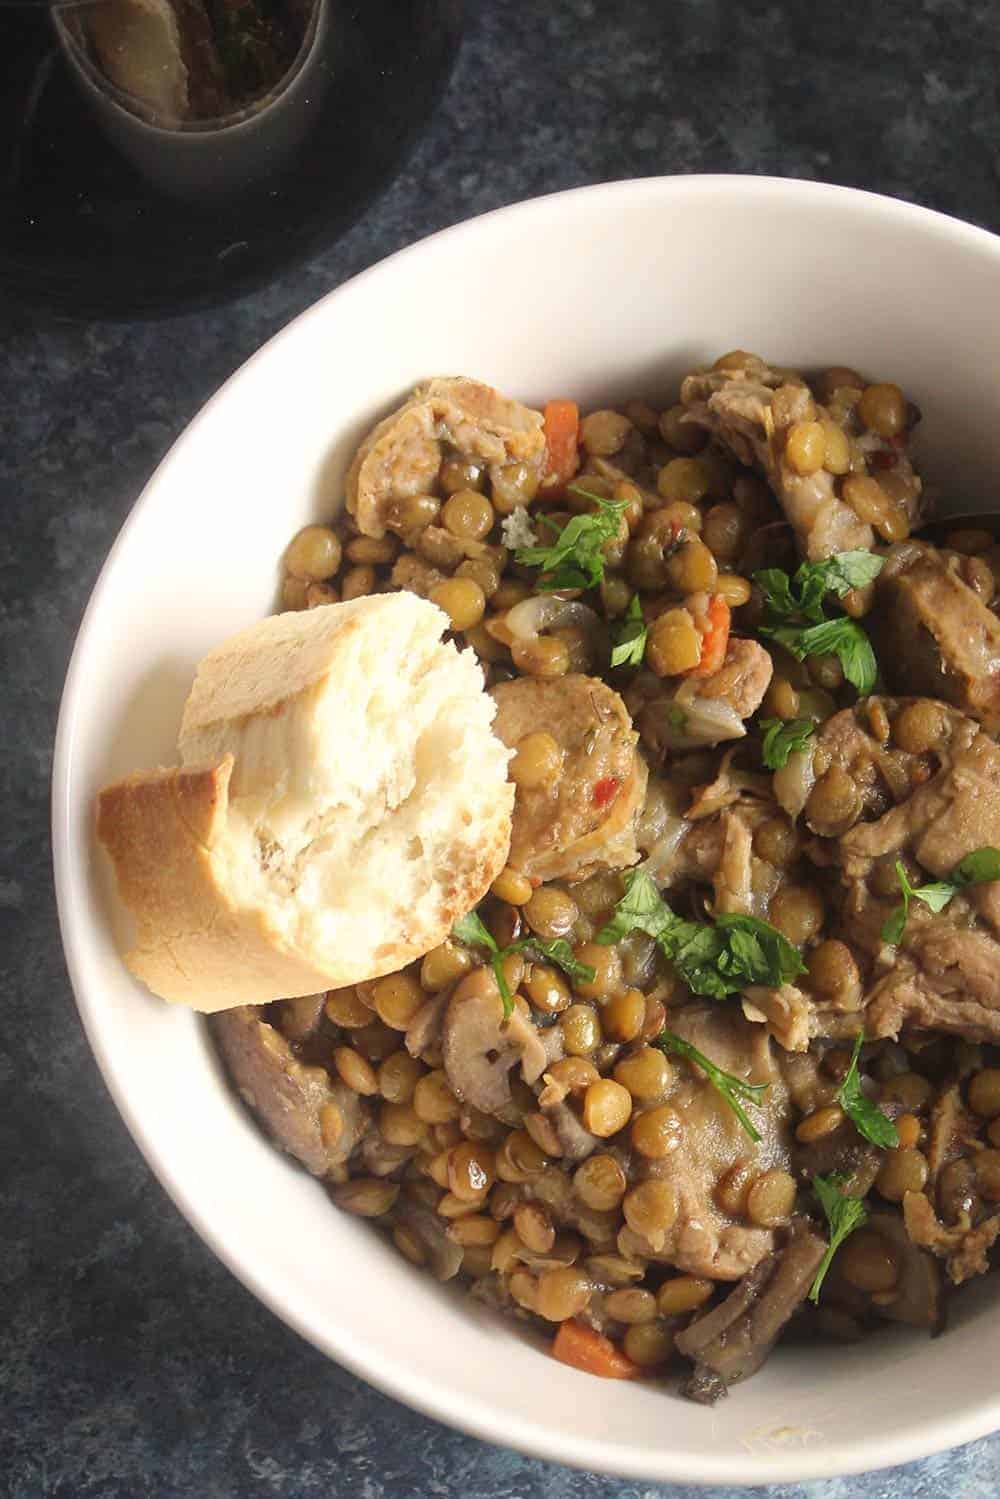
pixel 603 293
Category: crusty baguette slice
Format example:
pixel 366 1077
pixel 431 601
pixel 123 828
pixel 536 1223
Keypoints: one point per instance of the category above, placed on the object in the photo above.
pixel 343 800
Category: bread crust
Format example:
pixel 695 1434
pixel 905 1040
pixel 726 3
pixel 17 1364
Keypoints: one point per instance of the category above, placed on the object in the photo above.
pixel 193 945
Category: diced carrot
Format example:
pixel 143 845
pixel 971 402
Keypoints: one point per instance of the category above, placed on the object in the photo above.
pixel 583 1348
pixel 562 452
pixel 715 639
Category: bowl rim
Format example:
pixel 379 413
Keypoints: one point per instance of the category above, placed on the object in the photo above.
pixel 412 1388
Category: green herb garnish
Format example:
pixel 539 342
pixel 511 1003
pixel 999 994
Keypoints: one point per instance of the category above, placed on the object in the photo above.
pixel 868 1120
pixel 642 908
pixel 844 1214
pixel 837 574
pixel 757 951
pixel 575 559
pixel 843 638
pixel 794 614
pixel 783 737
pixel 474 933
pixel 630 640
pixel 558 951
pixel 977 868
pixel 729 1087
pixel 716 959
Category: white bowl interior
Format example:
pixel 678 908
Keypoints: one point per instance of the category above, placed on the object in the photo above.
pixel 600 294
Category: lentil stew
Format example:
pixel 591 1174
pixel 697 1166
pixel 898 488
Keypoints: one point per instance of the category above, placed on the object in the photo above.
pixel 714 1062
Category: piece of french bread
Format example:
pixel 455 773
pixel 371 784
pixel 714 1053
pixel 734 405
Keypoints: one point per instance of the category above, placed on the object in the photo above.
pixel 342 800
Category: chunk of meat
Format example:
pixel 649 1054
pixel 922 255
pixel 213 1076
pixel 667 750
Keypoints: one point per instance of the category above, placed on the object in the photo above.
pixel 964 1249
pixel 950 1132
pixel 952 813
pixel 882 772
pixel 738 407
pixel 401 456
pixel 706 1238
pixel 586 816
pixel 689 712
pixel 795 1017
pixel 733 879
pixel 730 1342
pixel 934 634
pixel 712 843
pixel 729 786
pixel 316 1118
pixel 946 973
pixel 947 980
pixel 785 1011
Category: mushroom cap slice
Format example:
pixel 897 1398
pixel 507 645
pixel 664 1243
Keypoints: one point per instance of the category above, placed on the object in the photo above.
pixel 480 1048
pixel 444 1256
pixel 918 1301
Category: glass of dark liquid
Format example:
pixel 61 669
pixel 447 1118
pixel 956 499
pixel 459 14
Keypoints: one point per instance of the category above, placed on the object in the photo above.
pixel 163 154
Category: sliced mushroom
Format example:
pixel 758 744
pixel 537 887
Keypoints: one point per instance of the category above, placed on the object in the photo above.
pixel 564 1251
pixel 956 1192
pixel 918 1301
pixel 551 1039
pixel 401 456
pixel 424 1029
pixel 844 1153
pixel 382 1159
pixel 554 1190
pixel 575 1139
pixel 316 1118
pixel 730 1342
pixel 444 1256
pixel 480 1049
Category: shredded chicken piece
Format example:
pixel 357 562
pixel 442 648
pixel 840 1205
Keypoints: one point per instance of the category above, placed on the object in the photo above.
pixel 963 1248
pixel 738 407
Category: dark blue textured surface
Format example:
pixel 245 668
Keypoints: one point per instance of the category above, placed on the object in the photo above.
pixel 131 1363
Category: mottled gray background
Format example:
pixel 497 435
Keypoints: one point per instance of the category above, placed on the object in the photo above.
pixel 131 1362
